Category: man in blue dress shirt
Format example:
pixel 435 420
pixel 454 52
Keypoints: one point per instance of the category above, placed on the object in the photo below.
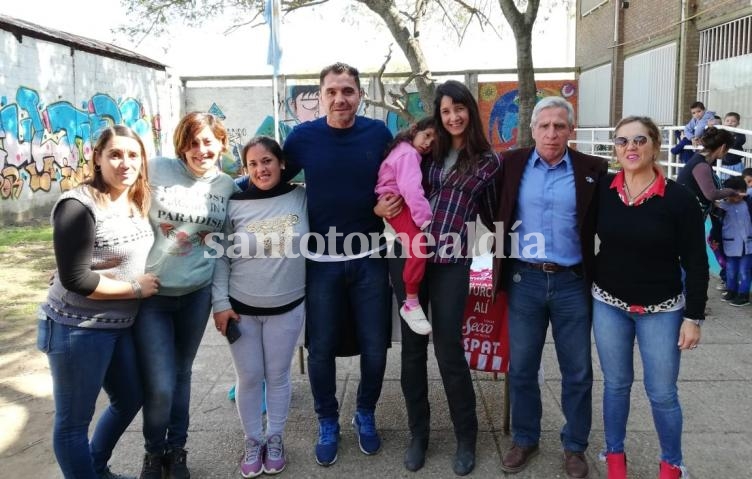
pixel 547 201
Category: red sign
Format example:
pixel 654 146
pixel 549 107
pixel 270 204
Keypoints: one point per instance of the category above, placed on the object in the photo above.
pixel 485 331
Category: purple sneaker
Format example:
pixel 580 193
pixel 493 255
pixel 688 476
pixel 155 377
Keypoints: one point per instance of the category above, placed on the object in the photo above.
pixel 274 457
pixel 252 463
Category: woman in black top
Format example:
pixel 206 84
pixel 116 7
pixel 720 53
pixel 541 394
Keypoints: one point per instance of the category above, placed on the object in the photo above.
pixel 650 229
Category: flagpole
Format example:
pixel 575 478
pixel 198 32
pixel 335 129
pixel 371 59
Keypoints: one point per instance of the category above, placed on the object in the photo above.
pixel 272 16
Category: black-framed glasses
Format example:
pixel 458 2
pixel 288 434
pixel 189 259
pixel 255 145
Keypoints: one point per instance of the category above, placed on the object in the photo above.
pixel 622 141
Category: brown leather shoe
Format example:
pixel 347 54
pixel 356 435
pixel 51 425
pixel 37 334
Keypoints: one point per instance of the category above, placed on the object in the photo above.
pixel 575 465
pixel 517 457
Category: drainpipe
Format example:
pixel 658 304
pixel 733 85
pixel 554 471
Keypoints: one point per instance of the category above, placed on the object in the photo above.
pixel 681 87
pixel 617 64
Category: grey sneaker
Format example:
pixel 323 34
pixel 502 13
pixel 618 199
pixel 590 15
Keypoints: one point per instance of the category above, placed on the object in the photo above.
pixel 274 456
pixel 252 464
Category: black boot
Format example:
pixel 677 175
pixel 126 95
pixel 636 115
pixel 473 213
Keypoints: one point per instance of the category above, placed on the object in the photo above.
pixel 415 455
pixel 464 458
pixel 153 467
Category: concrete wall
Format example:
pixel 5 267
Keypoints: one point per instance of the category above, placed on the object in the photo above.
pixel 53 100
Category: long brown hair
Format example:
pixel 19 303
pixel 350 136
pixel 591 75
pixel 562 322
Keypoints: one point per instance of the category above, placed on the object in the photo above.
pixel 139 194
pixel 476 143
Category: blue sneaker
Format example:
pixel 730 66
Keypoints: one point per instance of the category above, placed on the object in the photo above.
pixel 326 448
pixel 364 424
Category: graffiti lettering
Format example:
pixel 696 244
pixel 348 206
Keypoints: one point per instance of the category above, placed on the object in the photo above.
pixel 41 145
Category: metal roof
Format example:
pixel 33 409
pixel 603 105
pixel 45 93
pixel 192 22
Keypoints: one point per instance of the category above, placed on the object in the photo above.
pixel 20 28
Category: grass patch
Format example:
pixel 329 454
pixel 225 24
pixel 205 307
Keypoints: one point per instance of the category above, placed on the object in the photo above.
pixel 26 260
pixel 14 235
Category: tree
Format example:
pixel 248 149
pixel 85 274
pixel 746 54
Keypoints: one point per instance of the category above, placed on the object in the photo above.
pixel 403 24
pixel 522 26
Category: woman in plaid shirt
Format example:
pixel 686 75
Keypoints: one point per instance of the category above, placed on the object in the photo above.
pixel 459 182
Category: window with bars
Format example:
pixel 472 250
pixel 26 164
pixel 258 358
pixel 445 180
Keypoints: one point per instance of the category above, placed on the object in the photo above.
pixel 724 41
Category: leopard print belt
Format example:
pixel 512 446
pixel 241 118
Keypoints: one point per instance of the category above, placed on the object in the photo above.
pixel 671 304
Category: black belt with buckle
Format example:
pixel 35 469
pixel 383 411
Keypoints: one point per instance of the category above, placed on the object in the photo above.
pixel 552 267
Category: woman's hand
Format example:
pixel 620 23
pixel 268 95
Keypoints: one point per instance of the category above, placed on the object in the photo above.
pixel 221 318
pixel 689 335
pixel 149 284
pixel 388 206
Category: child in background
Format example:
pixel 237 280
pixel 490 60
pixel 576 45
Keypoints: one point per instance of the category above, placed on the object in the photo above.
pixel 737 243
pixel 699 121
pixel 732 161
pixel 747 176
pixel 400 174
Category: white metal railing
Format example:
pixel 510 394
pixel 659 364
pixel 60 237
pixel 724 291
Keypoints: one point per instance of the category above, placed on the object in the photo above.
pixel 597 142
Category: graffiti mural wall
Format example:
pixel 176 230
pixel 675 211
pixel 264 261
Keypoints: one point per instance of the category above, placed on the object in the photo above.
pixel 46 147
pixel 498 103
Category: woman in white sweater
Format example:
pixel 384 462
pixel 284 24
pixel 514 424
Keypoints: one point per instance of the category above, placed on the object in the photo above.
pixel 259 291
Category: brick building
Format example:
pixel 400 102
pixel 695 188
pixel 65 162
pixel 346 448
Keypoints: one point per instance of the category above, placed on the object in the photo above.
pixel 655 57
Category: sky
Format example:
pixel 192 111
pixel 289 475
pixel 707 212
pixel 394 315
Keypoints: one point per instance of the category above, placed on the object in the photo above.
pixel 339 30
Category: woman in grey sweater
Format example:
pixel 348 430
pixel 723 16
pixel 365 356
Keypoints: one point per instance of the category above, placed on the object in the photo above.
pixel 258 291
pixel 101 237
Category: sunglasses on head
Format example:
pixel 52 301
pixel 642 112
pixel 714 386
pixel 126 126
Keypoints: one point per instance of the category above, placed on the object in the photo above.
pixel 622 141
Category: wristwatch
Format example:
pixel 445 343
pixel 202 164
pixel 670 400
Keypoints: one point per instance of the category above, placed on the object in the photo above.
pixel 696 322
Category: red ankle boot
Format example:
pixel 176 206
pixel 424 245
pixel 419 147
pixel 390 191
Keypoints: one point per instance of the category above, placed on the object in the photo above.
pixel 617 465
pixel 669 472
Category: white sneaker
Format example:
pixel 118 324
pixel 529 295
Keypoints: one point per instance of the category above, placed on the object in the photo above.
pixel 721 286
pixel 416 320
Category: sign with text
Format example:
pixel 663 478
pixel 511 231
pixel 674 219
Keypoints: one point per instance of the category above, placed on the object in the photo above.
pixel 485 331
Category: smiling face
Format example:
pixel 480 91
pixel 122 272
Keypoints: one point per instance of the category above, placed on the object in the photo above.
pixel 454 117
pixel 423 140
pixel 632 156
pixel 202 154
pixel 551 133
pixel 264 168
pixel 120 160
pixel 340 98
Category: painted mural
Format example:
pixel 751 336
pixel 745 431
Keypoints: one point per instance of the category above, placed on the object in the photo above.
pixel 499 107
pixel 47 147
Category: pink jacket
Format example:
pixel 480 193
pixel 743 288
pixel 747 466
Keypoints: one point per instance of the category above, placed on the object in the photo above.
pixel 400 174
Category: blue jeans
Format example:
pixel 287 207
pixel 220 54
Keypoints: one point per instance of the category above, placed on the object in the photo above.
pixel 738 274
pixel 168 331
pixel 657 335
pixel 82 362
pixel 535 299
pixel 363 284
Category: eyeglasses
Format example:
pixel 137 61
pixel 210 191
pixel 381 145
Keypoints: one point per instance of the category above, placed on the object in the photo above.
pixel 623 142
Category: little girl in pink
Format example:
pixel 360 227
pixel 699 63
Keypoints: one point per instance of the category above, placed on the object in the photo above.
pixel 400 174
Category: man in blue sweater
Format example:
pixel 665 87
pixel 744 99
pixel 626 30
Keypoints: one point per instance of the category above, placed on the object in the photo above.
pixel 346 277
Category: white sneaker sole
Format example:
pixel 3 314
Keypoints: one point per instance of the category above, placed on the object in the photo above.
pixel 416 320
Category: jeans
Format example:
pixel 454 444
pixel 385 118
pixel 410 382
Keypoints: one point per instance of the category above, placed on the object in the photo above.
pixel 738 273
pixel 82 362
pixel 535 299
pixel 168 331
pixel 364 284
pixel 657 335
pixel 445 288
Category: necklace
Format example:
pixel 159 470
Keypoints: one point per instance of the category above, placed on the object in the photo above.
pixel 631 198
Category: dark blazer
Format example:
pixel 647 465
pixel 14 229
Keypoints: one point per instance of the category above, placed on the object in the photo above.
pixel 587 170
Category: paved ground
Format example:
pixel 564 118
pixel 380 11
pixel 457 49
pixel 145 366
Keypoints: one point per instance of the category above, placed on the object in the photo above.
pixel 715 390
